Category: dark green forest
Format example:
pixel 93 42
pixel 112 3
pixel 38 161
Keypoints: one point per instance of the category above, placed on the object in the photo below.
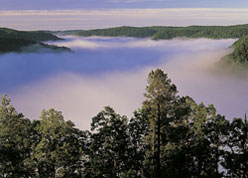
pixel 163 32
pixel 239 55
pixel 23 41
pixel 9 44
pixel 169 136
pixel 22 45
pixel 39 36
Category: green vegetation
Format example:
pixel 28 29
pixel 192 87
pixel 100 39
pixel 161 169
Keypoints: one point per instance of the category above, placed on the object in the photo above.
pixel 168 137
pixel 239 57
pixel 23 41
pixel 13 45
pixel 22 45
pixel 160 32
pixel 30 35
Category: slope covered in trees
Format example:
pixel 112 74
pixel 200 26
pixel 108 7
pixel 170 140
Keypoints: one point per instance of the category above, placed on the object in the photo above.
pixel 239 56
pixel 21 45
pixel 163 32
pixel 27 35
pixel 23 41
pixel 169 136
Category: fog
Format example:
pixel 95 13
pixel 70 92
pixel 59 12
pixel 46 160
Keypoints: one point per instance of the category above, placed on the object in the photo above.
pixel 113 71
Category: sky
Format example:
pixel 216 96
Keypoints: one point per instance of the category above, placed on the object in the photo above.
pixel 102 4
pixel 92 14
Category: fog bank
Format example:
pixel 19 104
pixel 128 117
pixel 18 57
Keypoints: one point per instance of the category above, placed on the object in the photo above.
pixel 113 71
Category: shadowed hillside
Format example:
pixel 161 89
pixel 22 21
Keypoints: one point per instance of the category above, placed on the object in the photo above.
pixel 27 41
pixel 31 35
pixel 22 45
pixel 239 57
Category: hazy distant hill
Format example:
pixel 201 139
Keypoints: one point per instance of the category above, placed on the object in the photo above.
pixel 27 35
pixel 161 32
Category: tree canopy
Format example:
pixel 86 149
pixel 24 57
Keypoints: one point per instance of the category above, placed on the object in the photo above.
pixel 164 32
pixel 168 136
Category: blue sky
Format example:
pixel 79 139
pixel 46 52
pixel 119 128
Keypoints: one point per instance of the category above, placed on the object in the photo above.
pixel 102 4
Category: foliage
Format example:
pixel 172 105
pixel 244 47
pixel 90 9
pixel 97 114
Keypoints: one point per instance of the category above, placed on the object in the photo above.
pixel 239 56
pixel 27 41
pixel 60 148
pixel 30 35
pixel 163 32
pixel 169 136
pixel 14 141
pixel 23 45
pixel 109 147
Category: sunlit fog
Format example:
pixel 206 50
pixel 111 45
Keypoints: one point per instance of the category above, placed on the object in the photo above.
pixel 113 71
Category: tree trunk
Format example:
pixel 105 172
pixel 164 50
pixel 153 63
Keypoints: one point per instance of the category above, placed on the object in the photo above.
pixel 158 143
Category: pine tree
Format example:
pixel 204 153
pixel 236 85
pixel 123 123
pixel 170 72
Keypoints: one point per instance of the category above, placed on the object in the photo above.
pixel 160 99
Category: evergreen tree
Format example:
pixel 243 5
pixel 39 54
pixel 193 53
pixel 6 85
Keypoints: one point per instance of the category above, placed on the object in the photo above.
pixel 109 148
pixel 139 129
pixel 160 99
pixel 236 152
pixel 59 151
pixel 15 142
pixel 216 129
pixel 170 136
pixel 208 131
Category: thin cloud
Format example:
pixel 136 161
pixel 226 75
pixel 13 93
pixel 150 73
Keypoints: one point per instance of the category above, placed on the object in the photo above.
pixel 104 18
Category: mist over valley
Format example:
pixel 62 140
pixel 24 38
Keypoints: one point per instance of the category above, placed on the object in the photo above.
pixel 105 71
pixel 123 89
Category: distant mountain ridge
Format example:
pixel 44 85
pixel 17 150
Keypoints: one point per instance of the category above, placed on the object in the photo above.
pixel 165 32
pixel 16 41
pixel 239 56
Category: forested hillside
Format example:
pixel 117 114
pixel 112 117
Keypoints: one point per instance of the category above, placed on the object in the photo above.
pixel 27 35
pixel 239 56
pixel 14 45
pixel 169 136
pixel 163 32
pixel 18 41
pixel 21 45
